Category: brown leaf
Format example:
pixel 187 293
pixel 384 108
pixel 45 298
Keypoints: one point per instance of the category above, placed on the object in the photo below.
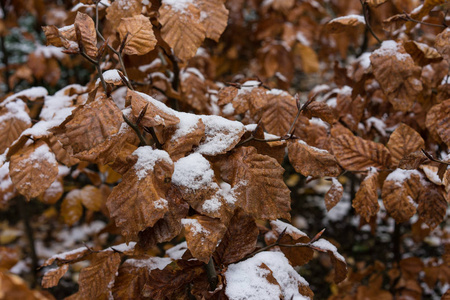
pixel 257 183
pixel 181 138
pixel 320 110
pixel 182 29
pixel 52 277
pixel 96 279
pixel 138 201
pixel 431 121
pixel 432 205
pixel 202 235
pixel 421 53
pixel 366 199
pixel 70 256
pixel 400 191
pixel 123 9
pixel 196 180
pixel 216 18
pixel 9 257
pixel 443 122
pixel 311 161
pixel 93 131
pixel 86 27
pixel 53 193
pixel 168 227
pixel 239 239
pixel 342 24
pixel 157 113
pixel 71 207
pixel 164 284
pixel 442 45
pixel 14 119
pixel 334 194
pixel 403 141
pixel 91 197
pixel 33 169
pixel 376 3
pixel 140 38
pixel 14 287
pixel 297 256
pixel 412 161
pixel 397 74
pixel 338 261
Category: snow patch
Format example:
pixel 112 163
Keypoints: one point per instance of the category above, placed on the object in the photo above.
pixel 147 158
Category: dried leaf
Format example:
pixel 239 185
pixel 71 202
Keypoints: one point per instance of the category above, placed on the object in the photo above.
pixel 14 287
pixel 91 197
pixel 86 27
pixel 33 169
pixel 311 161
pixel 9 257
pixel 338 261
pixel 421 53
pixel 216 18
pixel 123 9
pixel 181 138
pixel 357 154
pixel 157 113
pixel 343 24
pixel 182 29
pixel 239 239
pixel 93 131
pixel 431 121
pixel 96 279
pixel 320 110
pixel 432 205
pixel 443 122
pixel 442 45
pixel 52 277
pixel 400 191
pixel 257 183
pixel 138 201
pixel 140 38
pixel 53 193
pixel 404 141
pixel 71 207
pixel 202 235
pixel 14 119
pixel 412 161
pixel 397 74
pixel 376 3
pixel 334 194
pixel 366 199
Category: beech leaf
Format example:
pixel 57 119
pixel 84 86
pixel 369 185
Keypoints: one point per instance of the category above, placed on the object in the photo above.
pixel 216 20
pixel 334 194
pixel 14 119
pixel 71 207
pixel 432 205
pixel 403 141
pixel 33 169
pixel 357 154
pixel 52 277
pixel 86 27
pixel 257 183
pixel 366 199
pixel 140 38
pixel 338 261
pixel 342 24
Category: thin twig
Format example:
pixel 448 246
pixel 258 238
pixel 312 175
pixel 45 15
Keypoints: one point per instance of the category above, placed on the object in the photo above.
pixel 136 129
pixel 434 159
pixel 365 8
pixel 407 17
pixel 151 130
pixel 212 275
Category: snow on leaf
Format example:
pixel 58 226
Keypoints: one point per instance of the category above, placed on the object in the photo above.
pixel 334 194
pixel 71 207
pixel 52 276
pixel 338 261
pixel 214 16
pixel 33 169
pixel 366 199
pixel 134 203
pixel 403 141
pixel 140 39
pixel 248 280
pixel 342 24
pixel 202 235
pixel 14 119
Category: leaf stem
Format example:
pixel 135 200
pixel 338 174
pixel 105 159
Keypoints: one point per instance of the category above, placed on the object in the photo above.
pixel 212 275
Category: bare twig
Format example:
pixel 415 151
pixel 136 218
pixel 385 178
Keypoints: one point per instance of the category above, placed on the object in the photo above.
pixel 212 275
pixel 430 157
pixel 366 11
pixel 151 130
pixel 135 127
pixel 407 17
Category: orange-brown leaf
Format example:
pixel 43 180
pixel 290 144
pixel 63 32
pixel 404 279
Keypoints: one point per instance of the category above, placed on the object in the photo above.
pixel 334 194
pixel 397 74
pixel 400 191
pixel 52 277
pixel 86 27
pixel 320 110
pixel 432 205
pixel 343 24
pixel 33 169
pixel 442 44
pixel 338 261
pixel 14 119
pixel 91 197
pixel 123 9
pixel 366 199
pixel 257 183
pixel 357 154
pixel 311 161
pixel 216 18
pixel 443 122
pixel 182 29
pixel 422 53
pixel 403 141
pixel 71 207
pixel 202 235
pixel 138 201
pixel 140 38
pixel 157 113
pixel 96 279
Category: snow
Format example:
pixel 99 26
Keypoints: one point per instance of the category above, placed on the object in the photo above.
pixel 432 174
pixel 40 154
pixel 16 110
pixel 364 60
pixel 161 204
pixel 195 226
pixel 313 148
pixel 400 175
pixel 302 39
pixel 188 124
pixel 112 76
pixel 326 245
pixel 391 48
pixel 5 182
pixel 178 5
pixel 147 157
pixel 176 252
pixel 220 134
pixel 194 172
pixel 158 104
pixel 376 123
pixel 155 63
pixel 277 92
pixel 49 51
pixel 359 18
pixel 228 109
pixel 247 280
pixel 186 73
pixel 150 263
pixel 31 93
pixel 64 255
pixel 279 226
pixel 122 247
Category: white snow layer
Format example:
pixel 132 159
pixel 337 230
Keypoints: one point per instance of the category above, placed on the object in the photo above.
pixel 147 158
